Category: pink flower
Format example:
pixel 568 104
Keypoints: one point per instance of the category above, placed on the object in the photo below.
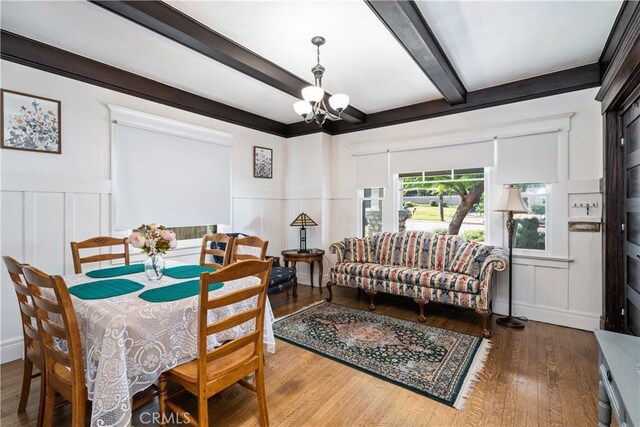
pixel 173 243
pixel 136 239
pixel 153 227
pixel 167 235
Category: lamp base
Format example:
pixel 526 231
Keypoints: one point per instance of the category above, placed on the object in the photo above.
pixel 303 251
pixel 510 322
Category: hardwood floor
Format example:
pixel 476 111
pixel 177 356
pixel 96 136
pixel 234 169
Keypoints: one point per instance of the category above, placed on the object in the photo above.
pixel 541 375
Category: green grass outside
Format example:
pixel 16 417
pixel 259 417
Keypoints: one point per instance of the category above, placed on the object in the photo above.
pixel 432 213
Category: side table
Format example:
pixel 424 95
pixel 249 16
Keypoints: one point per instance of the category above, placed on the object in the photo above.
pixel 314 255
pixel 619 369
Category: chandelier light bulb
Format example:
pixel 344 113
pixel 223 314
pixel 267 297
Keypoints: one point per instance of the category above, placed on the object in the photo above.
pixel 339 102
pixel 312 93
pixel 302 108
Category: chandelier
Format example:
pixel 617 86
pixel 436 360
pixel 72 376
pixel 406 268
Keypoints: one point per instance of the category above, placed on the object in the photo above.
pixel 313 107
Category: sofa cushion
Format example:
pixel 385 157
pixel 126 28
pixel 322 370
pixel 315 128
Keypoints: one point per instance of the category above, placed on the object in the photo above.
pixel 414 276
pixel 360 250
pixel 469 258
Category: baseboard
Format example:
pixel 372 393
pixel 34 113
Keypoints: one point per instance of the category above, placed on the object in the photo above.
pixel 11 349
pixel 571 319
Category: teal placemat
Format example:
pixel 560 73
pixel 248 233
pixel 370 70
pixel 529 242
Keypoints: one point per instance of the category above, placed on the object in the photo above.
pixel 187 271
pixel 105 289
pixel 116 271
pixel 176 291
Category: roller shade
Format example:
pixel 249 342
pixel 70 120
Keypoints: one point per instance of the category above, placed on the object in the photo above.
pixel 169 179
pixel 527 159
pixel 461 156
pixel 372 170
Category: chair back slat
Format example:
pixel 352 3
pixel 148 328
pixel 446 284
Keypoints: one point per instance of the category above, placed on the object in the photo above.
pixel 99 242
pixel 235 271
pixel 230 346
pixel 215 252
pixel 233 321
pixel 233 297
pixel 28 313
pixel 57 320
pixel 249 241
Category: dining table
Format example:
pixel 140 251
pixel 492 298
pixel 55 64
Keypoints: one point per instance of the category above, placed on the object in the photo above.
pixel 128 341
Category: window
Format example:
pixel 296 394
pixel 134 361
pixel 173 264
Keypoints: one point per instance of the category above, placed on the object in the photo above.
pixel 444 202
pixel 195 232
pixel 371 210
pixel 531 229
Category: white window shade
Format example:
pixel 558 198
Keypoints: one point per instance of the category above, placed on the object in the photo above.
pixel 527 159
pixel 169 179
pixel 461 156
pixel 372 170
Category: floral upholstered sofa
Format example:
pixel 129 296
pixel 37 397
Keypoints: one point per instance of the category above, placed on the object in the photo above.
pixel 420 265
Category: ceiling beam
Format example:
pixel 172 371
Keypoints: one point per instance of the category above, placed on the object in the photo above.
pixel 180 28
pixel 405 21
pixel 25 51
pixel 584 77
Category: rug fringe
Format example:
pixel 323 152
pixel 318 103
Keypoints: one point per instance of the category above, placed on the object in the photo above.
pixel 298 311
pixel 474 374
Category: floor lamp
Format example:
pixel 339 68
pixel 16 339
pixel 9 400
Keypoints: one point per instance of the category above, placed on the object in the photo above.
pixel 511 202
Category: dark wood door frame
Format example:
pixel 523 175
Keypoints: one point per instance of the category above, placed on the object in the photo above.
pixel 620 83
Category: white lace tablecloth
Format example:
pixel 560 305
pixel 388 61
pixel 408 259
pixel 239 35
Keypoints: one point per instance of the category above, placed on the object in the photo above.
pixel 129 342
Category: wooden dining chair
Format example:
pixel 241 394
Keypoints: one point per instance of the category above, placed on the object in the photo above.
pixel 214 370
pixel 218 254
pixel 64 371
pixel 98 242
pixel 249 241
pixel 32 339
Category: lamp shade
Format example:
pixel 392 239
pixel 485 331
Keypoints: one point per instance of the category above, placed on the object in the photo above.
pixel 302 108
pixel 339 102
pixel 511 201
pixel 303 220
pixel 312 93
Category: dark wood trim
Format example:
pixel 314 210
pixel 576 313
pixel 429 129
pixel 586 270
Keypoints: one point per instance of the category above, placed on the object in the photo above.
pixel 405 21
pixel 180 28
pixel 613 216
pixel 22 50
pixel 620 58
pixel 623 20
pixel 584 77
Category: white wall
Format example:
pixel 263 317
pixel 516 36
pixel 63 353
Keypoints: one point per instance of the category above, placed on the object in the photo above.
pixel 564 286
pixel 50 200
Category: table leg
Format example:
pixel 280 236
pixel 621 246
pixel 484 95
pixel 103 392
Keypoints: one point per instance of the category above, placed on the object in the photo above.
pixel 320 275
pixel 604 407
pixel 311 272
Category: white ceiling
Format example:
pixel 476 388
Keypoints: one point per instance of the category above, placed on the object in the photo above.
pixel 488 43
pixel 496 42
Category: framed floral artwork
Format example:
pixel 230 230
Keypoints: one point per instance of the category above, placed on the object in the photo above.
pixel 30 123
pixel 262 162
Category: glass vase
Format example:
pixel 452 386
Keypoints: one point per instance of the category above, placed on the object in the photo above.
pixel 154 267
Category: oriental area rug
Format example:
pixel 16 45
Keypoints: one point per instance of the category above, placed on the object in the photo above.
pixel 434 362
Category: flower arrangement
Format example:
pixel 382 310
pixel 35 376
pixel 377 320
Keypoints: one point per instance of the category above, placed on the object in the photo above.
pixel 153 239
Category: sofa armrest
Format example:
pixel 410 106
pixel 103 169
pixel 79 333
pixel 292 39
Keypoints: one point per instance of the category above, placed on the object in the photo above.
pixel 338 249
pixel 497 260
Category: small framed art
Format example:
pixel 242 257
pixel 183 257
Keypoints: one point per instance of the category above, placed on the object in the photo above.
pixel 30 123
pixel 262 162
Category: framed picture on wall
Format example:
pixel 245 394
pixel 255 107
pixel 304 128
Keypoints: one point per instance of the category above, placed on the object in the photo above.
pixel 262 162
pixel 30 123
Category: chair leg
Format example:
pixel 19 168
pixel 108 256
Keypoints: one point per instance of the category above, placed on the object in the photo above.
pixel 295 288
pixel 43 390
pixel 486 317
pixel 78 413
pixel 371 294
pixel 262 398
pixel 203 411
pixel 27 370
pixel 49 404
pixel 162 399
